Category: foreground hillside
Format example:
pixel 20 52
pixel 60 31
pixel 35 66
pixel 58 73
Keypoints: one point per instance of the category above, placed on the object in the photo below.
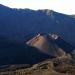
pixel 44 54
pixel 47 67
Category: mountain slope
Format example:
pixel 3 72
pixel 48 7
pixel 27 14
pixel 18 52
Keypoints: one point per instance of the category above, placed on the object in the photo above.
pixel 19 53
pixel 46 67
pixel 17 23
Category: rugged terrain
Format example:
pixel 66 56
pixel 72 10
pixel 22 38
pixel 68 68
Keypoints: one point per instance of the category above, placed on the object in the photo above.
pixel 58 58
pixel 47 67
pixel 38 42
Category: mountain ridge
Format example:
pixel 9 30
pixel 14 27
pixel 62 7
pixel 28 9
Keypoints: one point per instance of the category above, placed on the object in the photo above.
pixel 17 23
pixel 22 24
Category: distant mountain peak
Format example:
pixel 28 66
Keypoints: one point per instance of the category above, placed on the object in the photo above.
pixel 48 12
pixel 3 6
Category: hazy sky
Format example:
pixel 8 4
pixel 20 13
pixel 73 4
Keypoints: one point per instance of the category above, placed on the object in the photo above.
pixel 63 6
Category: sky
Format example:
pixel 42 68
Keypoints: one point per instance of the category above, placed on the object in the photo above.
pixel 62 6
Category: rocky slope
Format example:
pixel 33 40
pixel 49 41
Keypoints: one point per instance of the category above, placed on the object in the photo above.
pixel 51 44
pixel 44 54
pixel 47 67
